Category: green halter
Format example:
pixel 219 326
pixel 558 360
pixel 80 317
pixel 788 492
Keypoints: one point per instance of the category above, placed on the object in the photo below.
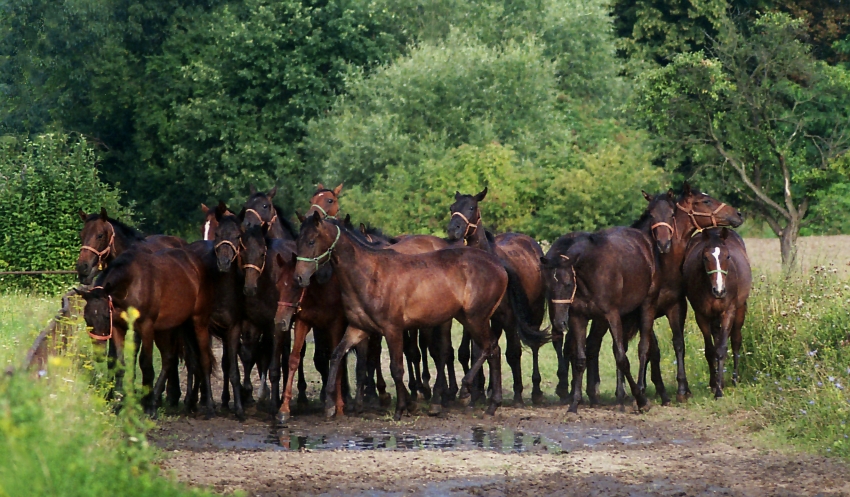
pixel 326 253
pixel 317 206
pixel 717 271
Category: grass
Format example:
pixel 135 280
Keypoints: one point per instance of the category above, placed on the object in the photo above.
pixel 57 434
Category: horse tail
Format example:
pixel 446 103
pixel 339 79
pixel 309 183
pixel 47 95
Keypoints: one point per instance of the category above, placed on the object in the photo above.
pixel 521 308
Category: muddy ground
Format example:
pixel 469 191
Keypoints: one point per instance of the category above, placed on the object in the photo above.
pixel 669 451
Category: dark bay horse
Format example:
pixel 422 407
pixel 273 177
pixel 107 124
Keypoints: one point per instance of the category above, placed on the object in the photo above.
pixel 259 210
pixel 104 238
pixel 169 288
pixel 521 314
pixel 386 292
pixel 719 279
pixel 604 275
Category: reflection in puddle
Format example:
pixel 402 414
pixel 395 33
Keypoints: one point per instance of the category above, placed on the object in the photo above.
pixel 496 439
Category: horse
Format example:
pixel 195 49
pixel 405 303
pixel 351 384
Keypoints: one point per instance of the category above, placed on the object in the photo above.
pixel 104 238
pixel 604 275
pixel 386 292
pixel 719 280
pixel 260 210
pixel 325 201
pixel 168 288
pixel 695 211
pixel 522 313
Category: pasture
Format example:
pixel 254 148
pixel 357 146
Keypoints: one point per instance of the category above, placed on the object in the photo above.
pixel 774 431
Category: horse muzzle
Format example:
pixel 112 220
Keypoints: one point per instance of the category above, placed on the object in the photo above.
pixel 665 246
pixel 250 291
pixel 718 294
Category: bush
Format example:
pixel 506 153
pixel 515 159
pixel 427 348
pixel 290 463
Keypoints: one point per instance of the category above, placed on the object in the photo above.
pixel 43 183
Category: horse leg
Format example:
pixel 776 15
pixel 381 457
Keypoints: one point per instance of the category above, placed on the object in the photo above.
pixel 676 318
pixel 384 397
pixel 373 361
pixel 513 354
pixel 276 366
pixel 578 351
pixel 411 349
pixel 704 324
pixel 437 348
pixel 477 385
pixel 145 331
pixel 225 373
pixel 301 330
pixel 494 355
pixel 616 327
pixel 263 355
pixel 231 349
pixel 302 379
pixel 425 337
pixel 598 329
pixel 172 391
pixel 737 339
pixel 727 320
pixel 620 389
pixel 202 333
pixel 246 355
pixel 655 365
pixel 647 320
pixel 395 347
pixel 165 343
pixel 562 389
pixel 352 337
pixel 449 356
pixel 321 358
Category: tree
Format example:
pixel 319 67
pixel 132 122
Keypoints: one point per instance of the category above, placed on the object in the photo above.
pixel 757 116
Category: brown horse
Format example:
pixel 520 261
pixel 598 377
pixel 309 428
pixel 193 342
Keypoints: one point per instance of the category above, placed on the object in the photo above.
pixel 522 313
pixel 386 292
pixel 605 275
pixel 325 201
pixel 719 279
pixel 260 211
pixel 103 239
pixel 210 224
pixel 168 288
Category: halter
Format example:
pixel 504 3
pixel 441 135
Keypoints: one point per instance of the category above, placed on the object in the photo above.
pixel 665 225
pixel 326 253
pixel 718 270
pixel 102 254
pixel 103 338
pixel 317 206
pixel 575 287
pixel 692 214
pixel 232 246
pixel 296 305
pixel 251 266
pixel 262 223
pixel 469 224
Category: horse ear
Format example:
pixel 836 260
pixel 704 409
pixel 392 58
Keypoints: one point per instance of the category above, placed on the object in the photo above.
pixel 647 196
pixel 457 195
pixel 280 260
pixel 204 208
pixel 480 196
pixel 338 189
pixel 320 186
pixel 317 218
pixel 252 188
pixel 724 233
pixel 686 188
pixel 347 220
pixel 82 215
pixel 82 293
pixel 670 194
pixel 272 192
pixel 103 215
pixel 363 228
pixel 220 210
pixel 300 216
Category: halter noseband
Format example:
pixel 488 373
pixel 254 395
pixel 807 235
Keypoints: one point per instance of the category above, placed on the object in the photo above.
pixel 665 225
pixel 103 338
pixel 295 305
pixel 326 253
pixel 102 254
pixel 575 287
pixel 317 206
pixel 718 270
pixel 232 246
pixel 262 223
pixel 469 224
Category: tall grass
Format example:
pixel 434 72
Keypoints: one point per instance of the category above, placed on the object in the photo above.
pixel 58 436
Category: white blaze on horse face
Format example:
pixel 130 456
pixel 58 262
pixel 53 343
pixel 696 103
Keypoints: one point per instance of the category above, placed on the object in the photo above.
pixel 207 230
pixel 719 274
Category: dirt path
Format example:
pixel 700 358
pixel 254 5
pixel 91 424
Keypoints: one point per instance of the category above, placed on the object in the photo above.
pixel 521 451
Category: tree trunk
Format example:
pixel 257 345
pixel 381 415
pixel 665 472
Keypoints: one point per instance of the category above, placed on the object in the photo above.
pixel 788 244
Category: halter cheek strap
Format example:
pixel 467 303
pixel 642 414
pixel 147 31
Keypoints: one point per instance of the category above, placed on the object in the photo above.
pixel 103 338
pixel 296 305
pixel 232 246
pixel 262 223
pixel 692 214
pixel 326 253
pixel 324 212
pixel 469 224
pixel 575 287
pixel 102 254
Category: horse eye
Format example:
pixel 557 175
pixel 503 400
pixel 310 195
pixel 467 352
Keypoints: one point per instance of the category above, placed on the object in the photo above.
pixel 471 209
pixel 330 200
pixel 312 242
pixel 100 236
pixel 265 206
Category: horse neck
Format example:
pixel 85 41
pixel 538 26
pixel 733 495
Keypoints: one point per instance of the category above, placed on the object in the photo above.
pixel 353 264
pixel 478 239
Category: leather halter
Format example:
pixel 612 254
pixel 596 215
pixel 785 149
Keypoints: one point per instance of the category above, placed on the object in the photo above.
pixel 326 253
pixel 103 338
pixel 251 266
pixel 665 225
pixel 102 254
pixel 575 287
pixel 469 224
pixel 692 214
pixel 296 305
pixel 232 246
pixel 262 223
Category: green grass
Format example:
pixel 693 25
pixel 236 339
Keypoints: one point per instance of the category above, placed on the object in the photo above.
pixel 57 434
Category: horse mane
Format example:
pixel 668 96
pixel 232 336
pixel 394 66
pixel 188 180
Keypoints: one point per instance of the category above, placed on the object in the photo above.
pixel 373 231
pixel 287 224
pixel 694 193
pixel 124 230
pixel 117 267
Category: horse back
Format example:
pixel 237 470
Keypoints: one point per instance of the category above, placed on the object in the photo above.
pixel 418 244
pixel 159 242
pixel 521 254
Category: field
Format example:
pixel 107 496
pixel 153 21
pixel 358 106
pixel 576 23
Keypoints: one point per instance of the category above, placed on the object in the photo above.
pixel 777 433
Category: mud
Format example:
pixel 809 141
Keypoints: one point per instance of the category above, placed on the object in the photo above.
pixel 520 451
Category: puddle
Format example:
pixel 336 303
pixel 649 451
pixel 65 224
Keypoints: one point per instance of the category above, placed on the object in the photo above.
pixel 505 440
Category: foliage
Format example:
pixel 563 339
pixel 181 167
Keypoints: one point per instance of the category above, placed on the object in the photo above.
pixel 45 181
pixel 756 114
pixel 58 437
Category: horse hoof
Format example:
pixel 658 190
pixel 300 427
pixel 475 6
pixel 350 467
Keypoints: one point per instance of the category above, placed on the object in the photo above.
pixel 302 401
pixel 240 416
pixel 385 400
pixel 281 418
pixel 330 412
pixel 573 408
pixel 644 406
pixel 491 410
pixel 413 409
pixel 435 410
pixel 518 402
pixel 397 416
pixel 537 398
pixel 464 401
pixel 666 402
pixel 426 392
pixel 718 394
pixel 681 398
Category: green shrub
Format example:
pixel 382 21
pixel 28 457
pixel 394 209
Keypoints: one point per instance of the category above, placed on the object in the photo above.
pixel 44 182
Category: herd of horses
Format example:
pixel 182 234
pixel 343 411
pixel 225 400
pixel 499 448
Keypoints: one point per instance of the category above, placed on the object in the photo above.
pixel 260 286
